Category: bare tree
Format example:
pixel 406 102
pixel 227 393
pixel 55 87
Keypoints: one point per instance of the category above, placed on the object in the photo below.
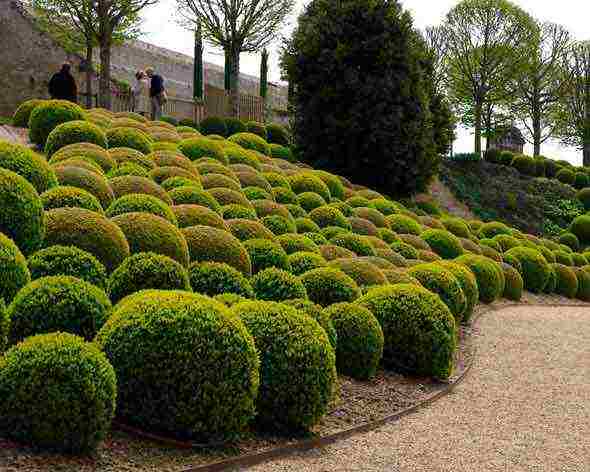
pixel 538 88
pixel 485 42
pixel 573 117
pixel 236 26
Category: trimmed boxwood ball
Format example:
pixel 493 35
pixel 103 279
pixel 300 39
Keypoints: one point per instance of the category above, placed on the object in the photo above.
pixel 317 238
pixel 443 243
pixel 195 215
pixel 310 201
pixel 297 368
pixel 14 273
pixel 456 226
pixel 238 155
pixel 176 182
pixel 333 231
pixel 570 240
pixel 420 334
pixel 251 141
pixel 306 225
pixel 292 243
pixel 579 260
pixel 249 229
pixel 296 211
pixel 214 278
pixel 196 148
pixel 493 228
pixel 302 262
pixel 212 244
pixel 58 392
pixel 259 129
pixel 128 169
pixel 567 281
pixel 405 250
pixel 194 196
pixel 327 216
pixel 403 224
pixel 360 340
pixel 129 137
pixel 566 176
pixel 552 282
pixel 583 284
pixel 166 347
pixel 514 283
pixel 506 242
pixel 308 182
pixel 372 215
pixel 442 281
pixel 74 132
pixel 328 285
pixel 581 228
pixel 363 227
pixel 21 116
pixel 233 211
pixel 584 197
pixel 355 243
pixel 384 206
pixel 333 182
pixel 358 202
pixel 58 303
pixel 331 252
pixel 93 183
pixel 490 242
pixel 364 273
pixel 514 262
pixel 489 283
pixel 226 196
pixel 524 164
pixel 49 115
pixel 277 285
pixel 256 193
pixel 309 308
pixel 21 217
pixel 87 151
pixel 210 181
pixel 28 164
pixel 265 253
pixel 147 270
pixel 213 125
pixel 123 155
pixel 160 174
pixel 82 162
pixel 388 235
pixel 67 196
pixel 67 260
pixel 137 202
pixel 278 151
pixel 284 195
pixel 279 225
pixel 535 269
pixel 468 284
pixel 581 180
pixel 88 231
pixel 277 180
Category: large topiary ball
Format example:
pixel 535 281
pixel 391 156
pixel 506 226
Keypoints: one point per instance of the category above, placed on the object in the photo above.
pixel 326 286
pixel 194 215
pixel 58 303
pixel 514 283
pixel 29 165
pixel 194 196
pixel 21 116
pixel 74 132
pixel 21 218
pixel 196 148
pixel 420 334
pixel 49 115
pixel 584 197
pixel 360 340
pixel 403 224
pixel 129 138
pixel 535 269
pixel 265 253
pixel 363 272
pixel 166 347
pixel 214 278
pixel 566 176
pixel 489 282
pixel 567 280
pixel 298 365
pixel 67 260
pixel 259 129
pixel 292 243
pixel 138 202
pixel 302 262
pixel 248 229
pixel 277 285
pixel 213 125
pixel 97 185
pixel 146 232
pixel 14 273
pixel 468 284
pixel 216 245
pixel 279 225
pixel 524 164
pixel 88 231
pixel 328 216
pixel 443 243
pixel 308 182
pixel 583 284
pixel 570 240
pixel 493 228
pixel 251 141
pixel 581 228
pixel 87 151
pixel 58 392
pixel 355 243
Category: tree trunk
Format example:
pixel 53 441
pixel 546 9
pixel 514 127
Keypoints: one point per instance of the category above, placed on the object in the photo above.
pixel 235 83
pixel 105 73
pixel 587 154
pixel 478 116
pixel 89 51
pixel 536 133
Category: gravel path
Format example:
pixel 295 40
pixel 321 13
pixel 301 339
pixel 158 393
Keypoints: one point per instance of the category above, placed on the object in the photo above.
pixel 525 406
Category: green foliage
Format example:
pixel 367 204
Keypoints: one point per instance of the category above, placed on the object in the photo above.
pixel 277 134
pixel 234 126
pixel 74 132
pixel 328 216
pixel 214 125
pixel 443 243
pixel 23 112
pixel 70 261
pixel 133 203
pixel 249 229
pixel 196 148
pixel 524 164
pixel 468 283
pixel 58 393
pixel 566 176
pixel 360 340
pixel 259 129
pixel 355 243
pixel 193 215
pixel 583 285
pixel 213 278
pixel 165 347
pixel 49 115
pixel 194 196
pixel 277 285
pixel 13 270
pixel 306 225
pixel 404 224
pixel 420 335
pixel 278 224
pixel 87 151
pixel 302 262
pixel 265 254
pixel 584 197
pixel 564 258
pixel 234 211
pixel 581 180
pixel 310 201
pixel 92 182
pixel 570 240
pixel 58 303
pixel 535 269
pixel 489 281
pixel 514 283
pixel 292 243
pixel 326 286
pixel 130 138
pixel 465 157
pixel 363 272
pixel 284 195
pixel 251 141
pixel 405 250
pixel 29 165
pixel 308 182
pixel 581 228
pixel 298 365
pixel 567 281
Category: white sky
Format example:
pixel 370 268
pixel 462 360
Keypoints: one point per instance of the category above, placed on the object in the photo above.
pixel 161 29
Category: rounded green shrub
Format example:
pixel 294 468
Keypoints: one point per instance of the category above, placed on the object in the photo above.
pixel 364 273
pixel 69 261
pixel 308 182
pixel 328 216
pixel 93 183
pixel 74 132
pixel 468 283
pixel 58 392
pixel 493 228
pixel 21 218
pixel 310 201
pixel 284 195
pixel 331 252
pixel 134 203
pixel 14 272
pixel 211 181
pixel 363 227
pixel 277 285
pixel 234 211
pixel 226 196
pixel 166 347
pixel 490 242
pixel 302 262
pixel 583 284
pixel 278 151
pixel 420 334
pixel 245 230
pixel 194 196
pixel 58 303
pixel 405 250
pixel 130 138
pixel 251 141
pixel 277 134
pixel 403 224
pixel 259 129
pixel 360 340
pixel 176 182
pixel 566 176
pixel 567 281
pixel 297 365
pixel 371 215
pixel 277 180
pixel 535 269
pixel 73 197
pixel 87 151
pixel 213 278
pixel 28 164
pixel 489 282
pixel 306 225
pixel 316 312
pixel 384 206
pixel 279 225
pixel 514 283
pixel 334 184
pixel 49 115
pixel 506 242
pixel 443 243
pixel 583 196
pixel 581 180
pixel 296 211
pixel 195 215
pixel 234 126
pixel 265 253
pixel 570 240
pixel 125 155
pixel 21 116
pixel 292 243
pixel 133 184
pixel 524 164
pixel 581 228
pixel 213 125
pixel 358 202
pixel 579 260
pixel 456 226
pixel 326 286
pixel 128 169
pixel 355 243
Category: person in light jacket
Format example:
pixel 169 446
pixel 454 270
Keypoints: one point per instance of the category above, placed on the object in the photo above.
pixel 141 94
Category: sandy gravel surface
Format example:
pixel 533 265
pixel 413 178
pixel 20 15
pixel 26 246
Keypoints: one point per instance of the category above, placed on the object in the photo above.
pixel 524 407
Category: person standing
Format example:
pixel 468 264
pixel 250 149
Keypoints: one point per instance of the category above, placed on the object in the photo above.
pixel 62 85
pixel 141 93
pixel 157 93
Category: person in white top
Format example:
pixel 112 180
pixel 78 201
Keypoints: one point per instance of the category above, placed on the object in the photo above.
pixel 141 94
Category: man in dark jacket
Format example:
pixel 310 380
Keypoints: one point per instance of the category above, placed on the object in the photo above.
pixel 62 85
pixel 157 93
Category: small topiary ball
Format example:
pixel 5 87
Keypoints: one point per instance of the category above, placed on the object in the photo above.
pixel 535 269
pixel 360 340
pixel 234 211
pixel 166 347
pixel 310 201
pixel 581 228
pixel 443 243
pixel 67 260
pixel 70 197
pixel 194 215
pixel 234 126
pixel 298 365
pixel 196 148
pixel 58 393
pixel 213 278
pixel 493 228
pixel 302 262
pixel 251 141
pixel 88 231
pixel 176 182
pixel 87 151
pixel 21 116
pixel 403 224
pixel 293 243
pixel 328 216
pixel 364 273
pixel 583 284
pixel 326 286
pixel 256 193
pixel 265 253
pixel 420 334
pixel 308 182
pixel 130 138
pixel 277 285
pixel 213 125
pixel 279 225
pixel 14 273
pixel 355 243
pixel 570 240
pixel 468 284
pixel 58 303
pixel 567 281
pixel 514 283
pixel 29 165
pixel 443 282
pixel 306 225
pixel 524 164
pixel 74 132
pixel 49 115
pixel 584 197
pixel 278 151
pixel 137 202
pixel 21 218
pixel 486 272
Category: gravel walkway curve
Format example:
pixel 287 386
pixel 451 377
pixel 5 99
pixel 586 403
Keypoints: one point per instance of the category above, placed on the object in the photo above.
pixel 525 406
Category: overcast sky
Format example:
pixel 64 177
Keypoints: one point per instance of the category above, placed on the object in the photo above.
pixel 161 29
